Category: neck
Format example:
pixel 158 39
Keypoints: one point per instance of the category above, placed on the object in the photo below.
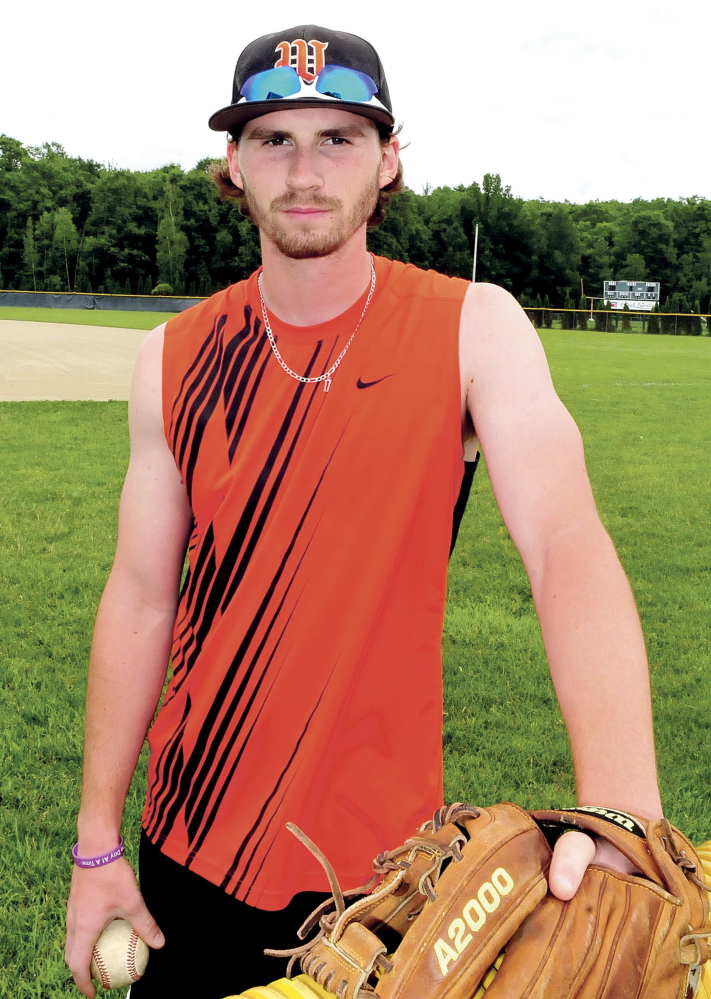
pixel 312 291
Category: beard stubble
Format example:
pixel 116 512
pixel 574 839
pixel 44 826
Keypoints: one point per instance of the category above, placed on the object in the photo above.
pixel 306 242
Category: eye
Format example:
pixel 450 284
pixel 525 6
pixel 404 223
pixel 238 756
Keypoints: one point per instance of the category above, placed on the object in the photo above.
pixel 337 140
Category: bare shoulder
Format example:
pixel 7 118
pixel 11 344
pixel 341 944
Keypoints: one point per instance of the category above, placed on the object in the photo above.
pixel 532 446
pixel 495 332
pixel 502 362
pixel 153 342
pixel 145 407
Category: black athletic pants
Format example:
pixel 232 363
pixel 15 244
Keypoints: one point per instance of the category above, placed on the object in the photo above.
pixel 214 943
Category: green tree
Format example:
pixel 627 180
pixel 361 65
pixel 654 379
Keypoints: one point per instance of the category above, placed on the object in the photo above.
pixel 626 325
pixel 12 153
pixel 675 308
pixel 582 316
pixel 66 240
pixel 44 243
pixel 555 268
pixel 596 233
pixel 535 314
pixel 171 241
pixel 567 317
pixel 122 224
pixel 602 318
pixel 508 242
pixel 403 235
pixel 695 325
pixel 450 252
pixel 634 268
pixel 12 248
pixel 249 251
pixel 208 262
pixel 547 313
pixel 29 254
pixel 667 321
pixel 647 231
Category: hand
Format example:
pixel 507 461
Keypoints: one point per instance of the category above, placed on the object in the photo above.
pixel 572 855
pixel 97 896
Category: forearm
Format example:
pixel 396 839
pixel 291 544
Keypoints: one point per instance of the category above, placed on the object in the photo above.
pixel 598 664
pixel 130 651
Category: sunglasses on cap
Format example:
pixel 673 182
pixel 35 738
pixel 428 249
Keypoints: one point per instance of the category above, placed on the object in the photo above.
pixel 332 83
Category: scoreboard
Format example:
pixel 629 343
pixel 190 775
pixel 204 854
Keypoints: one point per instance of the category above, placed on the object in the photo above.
pixel 641 296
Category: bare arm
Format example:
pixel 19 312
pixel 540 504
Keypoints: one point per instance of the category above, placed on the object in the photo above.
pixel 129 657
pixel 588 618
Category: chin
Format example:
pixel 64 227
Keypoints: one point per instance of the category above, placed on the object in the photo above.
pixel 307 245
pixel 308 250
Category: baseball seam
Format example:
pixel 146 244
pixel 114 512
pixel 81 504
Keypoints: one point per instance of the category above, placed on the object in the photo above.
pixel 131 957
pixel 105 980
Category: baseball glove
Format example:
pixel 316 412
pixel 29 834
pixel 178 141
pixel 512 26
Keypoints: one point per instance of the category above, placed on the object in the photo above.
pixel 473 881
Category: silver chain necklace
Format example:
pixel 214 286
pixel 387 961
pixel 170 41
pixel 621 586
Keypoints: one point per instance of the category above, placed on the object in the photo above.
pixel 327 376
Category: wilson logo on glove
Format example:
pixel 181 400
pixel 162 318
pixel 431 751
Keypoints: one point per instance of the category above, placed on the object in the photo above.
pixel 474 915
pixel 624 819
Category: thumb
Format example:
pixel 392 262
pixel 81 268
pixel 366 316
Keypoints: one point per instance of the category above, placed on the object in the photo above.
pixel 147 928
pixel 572 854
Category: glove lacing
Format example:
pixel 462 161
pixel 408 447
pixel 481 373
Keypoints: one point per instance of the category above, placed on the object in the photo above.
pixel 383 864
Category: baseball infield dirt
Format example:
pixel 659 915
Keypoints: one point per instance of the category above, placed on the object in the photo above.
pixel 61 361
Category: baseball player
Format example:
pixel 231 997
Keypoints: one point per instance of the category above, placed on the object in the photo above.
pixel 301 435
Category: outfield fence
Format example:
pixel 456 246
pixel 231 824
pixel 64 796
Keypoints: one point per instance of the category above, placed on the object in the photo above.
pixel 621 321
pixel 84 300
pixel 603 320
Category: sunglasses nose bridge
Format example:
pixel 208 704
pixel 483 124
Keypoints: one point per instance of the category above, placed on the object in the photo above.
pixel 338 82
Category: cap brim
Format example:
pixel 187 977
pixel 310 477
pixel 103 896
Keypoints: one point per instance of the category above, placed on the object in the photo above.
pixel 227 118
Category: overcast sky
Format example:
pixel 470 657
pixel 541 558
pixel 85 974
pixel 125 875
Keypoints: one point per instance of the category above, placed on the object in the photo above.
pixel 564 99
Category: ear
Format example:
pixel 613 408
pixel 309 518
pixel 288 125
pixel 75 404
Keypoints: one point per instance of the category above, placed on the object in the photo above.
pixel 233 163
pixel 389 162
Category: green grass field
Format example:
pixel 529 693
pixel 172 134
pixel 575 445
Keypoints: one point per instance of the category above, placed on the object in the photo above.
pixel 644 405
pixel 87 317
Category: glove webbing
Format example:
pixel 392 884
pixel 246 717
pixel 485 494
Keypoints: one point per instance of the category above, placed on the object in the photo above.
pixel 680 858
pixel 384 863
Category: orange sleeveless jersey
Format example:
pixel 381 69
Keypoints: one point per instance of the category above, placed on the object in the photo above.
pixel 306 680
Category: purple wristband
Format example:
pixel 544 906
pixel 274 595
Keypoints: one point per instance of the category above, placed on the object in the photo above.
pixel 105 858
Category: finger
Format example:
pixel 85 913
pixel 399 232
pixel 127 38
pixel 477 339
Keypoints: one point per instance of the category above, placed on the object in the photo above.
pixel 608 855
pixel 573 852
pixel 82 976
pixel 146 927
pixel 77 956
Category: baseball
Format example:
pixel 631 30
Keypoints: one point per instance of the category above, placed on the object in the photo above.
pixel 119 957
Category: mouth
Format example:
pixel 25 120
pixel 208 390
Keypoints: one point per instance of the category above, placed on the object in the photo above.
pixel 307 211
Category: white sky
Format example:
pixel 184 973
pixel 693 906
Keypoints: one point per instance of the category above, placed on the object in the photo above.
pixel 563 98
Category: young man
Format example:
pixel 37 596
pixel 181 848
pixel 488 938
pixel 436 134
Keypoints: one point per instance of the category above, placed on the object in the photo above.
pixel 301 434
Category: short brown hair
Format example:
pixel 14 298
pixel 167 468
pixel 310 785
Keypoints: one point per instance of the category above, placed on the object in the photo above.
pixel 219 172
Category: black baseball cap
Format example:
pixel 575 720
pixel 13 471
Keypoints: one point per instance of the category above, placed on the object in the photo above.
pixel 306 67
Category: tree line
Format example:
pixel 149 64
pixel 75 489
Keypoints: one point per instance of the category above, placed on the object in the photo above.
pixel 70 224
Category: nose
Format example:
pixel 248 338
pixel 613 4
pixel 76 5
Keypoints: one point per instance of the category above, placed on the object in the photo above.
pixel 304 173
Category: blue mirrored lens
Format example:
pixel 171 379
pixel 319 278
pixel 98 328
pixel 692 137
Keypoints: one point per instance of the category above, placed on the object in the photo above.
pixel 345 84
pixel 272 84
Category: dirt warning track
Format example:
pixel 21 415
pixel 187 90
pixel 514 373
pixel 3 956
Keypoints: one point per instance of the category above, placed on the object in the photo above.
pixel 62 361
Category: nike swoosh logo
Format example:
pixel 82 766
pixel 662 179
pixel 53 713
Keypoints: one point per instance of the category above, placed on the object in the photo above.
pixel 361 384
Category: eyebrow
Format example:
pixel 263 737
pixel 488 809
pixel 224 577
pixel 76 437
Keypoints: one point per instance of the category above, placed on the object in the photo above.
pixel 260 134
pixel 345 131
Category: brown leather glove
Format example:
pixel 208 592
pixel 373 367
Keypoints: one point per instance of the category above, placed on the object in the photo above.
pixel 471 880
pixel 640 936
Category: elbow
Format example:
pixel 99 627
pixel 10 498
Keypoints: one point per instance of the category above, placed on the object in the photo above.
pixel 574 549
